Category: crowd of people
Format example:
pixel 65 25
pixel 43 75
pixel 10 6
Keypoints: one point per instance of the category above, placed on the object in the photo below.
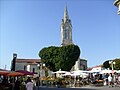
pixel 20 83
pixel 17 83
pixel 106 79
pixel 112 79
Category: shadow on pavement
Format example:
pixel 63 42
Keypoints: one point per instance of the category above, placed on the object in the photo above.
pixel 44 88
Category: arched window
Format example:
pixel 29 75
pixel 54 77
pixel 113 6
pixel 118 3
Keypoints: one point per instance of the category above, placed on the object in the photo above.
pixel 66 33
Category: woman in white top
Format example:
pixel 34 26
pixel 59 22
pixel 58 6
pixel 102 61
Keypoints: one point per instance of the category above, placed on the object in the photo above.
pixel 110 80
pixel 29 84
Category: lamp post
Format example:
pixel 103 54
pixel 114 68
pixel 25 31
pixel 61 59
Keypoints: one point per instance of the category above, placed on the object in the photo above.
pixel 46 74
pixel 38 75
pixel 41 65
pixel 112 63
pixel 38 70
pixel 41 72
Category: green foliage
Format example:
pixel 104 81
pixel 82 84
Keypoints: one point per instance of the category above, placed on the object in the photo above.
pixel 106 64
pixel 62 58
pixel 116 66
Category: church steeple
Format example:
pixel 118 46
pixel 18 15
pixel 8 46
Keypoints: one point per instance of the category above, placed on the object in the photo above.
pixel 66 29
pixel 66 14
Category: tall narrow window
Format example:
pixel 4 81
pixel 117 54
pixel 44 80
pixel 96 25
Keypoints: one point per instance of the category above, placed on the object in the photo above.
pixel 33 70
pixel 65 34
pixel 24 67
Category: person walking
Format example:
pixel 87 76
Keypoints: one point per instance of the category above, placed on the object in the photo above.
pixel 29 85
pixel 110 80
pixel 17 84
pixel 119 80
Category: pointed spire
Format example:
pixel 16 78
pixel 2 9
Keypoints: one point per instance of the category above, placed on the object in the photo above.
pixel 66 14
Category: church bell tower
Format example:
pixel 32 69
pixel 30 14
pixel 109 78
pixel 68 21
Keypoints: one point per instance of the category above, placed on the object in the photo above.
pixel 66 29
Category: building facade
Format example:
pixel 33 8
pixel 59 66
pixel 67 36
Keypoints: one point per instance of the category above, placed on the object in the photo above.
pixel 96 68
pixel 83 64
pixel 117 4
pixel 31 65
pixel 66 39
pixel 27 64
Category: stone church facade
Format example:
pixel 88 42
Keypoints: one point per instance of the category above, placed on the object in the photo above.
pixel 66 39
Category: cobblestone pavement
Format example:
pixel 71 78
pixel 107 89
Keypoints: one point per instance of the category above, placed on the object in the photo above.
pixel 79 88
pixel 101 88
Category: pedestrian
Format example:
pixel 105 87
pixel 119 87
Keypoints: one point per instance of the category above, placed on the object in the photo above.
pixel 17 84
pixel 115 79
pixel 119 81
pixel 104 79
pixel 29 85
pixel 110 80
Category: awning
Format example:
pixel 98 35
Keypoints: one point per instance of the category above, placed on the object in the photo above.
pixel 25 72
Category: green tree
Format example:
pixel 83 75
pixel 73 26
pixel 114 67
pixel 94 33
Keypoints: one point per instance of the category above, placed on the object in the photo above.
pixel 62 58
pixel 117 64
pixel 106 64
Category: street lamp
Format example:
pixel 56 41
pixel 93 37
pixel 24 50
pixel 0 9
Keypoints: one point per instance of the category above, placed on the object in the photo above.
pixel 38 65
pixel 41 72
pixel 112 63
pixel 46 74
pixel 38 70
pixel 42 68
pixel 41 65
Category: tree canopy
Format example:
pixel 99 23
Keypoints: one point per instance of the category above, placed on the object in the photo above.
pixel 116 66
pixel 106 64
pixel 63 57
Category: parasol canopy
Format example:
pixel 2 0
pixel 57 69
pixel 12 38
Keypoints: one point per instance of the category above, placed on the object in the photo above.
pixel 13 73
pixel 60 72
pixel 25 72
pixel 3 72
pixel 106 71
pixel 117 71
pixel 67 74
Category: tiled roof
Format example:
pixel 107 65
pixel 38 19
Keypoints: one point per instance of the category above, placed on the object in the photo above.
pixel 28 60
pixel 90 68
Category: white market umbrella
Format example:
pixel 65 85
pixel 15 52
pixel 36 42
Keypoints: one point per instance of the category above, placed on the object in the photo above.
pixel 117 71
pixel 105 71
pixel 60 72
pixel 67 74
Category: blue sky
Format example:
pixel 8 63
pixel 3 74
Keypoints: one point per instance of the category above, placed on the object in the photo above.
pixel 26 26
